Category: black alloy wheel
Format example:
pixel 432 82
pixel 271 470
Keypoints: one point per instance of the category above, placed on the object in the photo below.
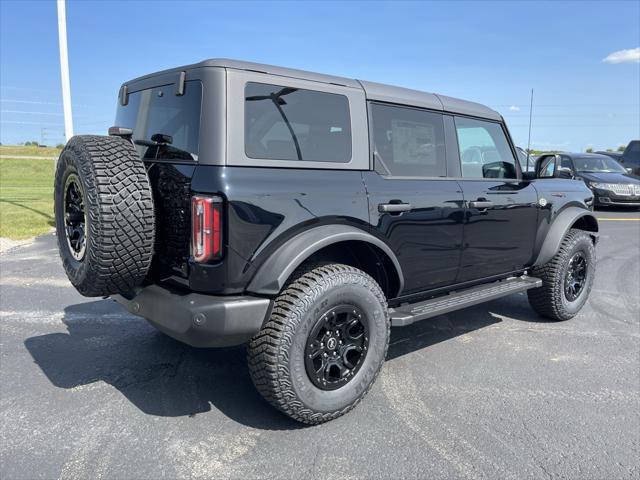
pixel 576 276
pixel 336 347
pixel 75 217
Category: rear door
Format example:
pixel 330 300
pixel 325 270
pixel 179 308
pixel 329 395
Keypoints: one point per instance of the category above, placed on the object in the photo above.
pixel 412 205
pixel 501 208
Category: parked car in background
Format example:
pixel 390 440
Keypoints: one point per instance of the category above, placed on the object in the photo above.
pixel 611 183
pixel 527 162
pixel 630 158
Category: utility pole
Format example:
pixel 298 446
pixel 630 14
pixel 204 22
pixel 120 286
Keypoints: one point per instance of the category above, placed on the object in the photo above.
pixel 64 70
pixel 530 118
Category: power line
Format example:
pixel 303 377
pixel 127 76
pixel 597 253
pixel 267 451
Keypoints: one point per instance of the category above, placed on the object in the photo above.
pixel 37 102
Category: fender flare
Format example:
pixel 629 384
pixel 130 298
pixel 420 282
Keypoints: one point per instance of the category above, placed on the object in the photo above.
pixel 559 228
pixel 274 272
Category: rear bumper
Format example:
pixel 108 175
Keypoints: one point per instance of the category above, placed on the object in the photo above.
pixel 199 320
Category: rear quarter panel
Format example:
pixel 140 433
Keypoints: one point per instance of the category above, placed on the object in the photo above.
pixel 267 206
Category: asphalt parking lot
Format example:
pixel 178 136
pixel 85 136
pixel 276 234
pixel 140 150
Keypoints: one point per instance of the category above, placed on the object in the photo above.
pixel 493 391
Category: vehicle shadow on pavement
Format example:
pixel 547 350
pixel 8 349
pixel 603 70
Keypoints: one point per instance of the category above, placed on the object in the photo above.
pixel 164 377
pixel 157 374
pixel 435 330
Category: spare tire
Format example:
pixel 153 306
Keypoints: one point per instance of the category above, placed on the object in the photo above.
pixel 104 213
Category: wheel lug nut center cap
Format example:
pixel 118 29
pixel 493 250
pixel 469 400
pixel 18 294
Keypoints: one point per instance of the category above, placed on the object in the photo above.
pixel 332 343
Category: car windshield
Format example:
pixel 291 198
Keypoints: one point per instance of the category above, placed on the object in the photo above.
pixel 597 164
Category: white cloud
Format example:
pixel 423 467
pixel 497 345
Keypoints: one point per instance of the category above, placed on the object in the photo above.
pixel 513 108
pixel 631 55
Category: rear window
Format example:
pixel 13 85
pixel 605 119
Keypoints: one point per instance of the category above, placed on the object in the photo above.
pixel 284 123
pixel 165 126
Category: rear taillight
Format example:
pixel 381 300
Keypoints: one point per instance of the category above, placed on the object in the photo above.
pixel 206 228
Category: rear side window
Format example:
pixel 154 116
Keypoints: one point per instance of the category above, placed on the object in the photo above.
pixel 408 142
pixel 484 150
pixel 165 126
pixel 284 123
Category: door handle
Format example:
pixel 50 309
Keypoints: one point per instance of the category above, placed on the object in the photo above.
pixel 481 204
pixel 394 207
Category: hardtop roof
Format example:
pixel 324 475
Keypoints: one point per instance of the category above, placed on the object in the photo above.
pixel 373 91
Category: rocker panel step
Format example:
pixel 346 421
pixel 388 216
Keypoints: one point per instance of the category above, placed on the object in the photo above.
pixel 407 314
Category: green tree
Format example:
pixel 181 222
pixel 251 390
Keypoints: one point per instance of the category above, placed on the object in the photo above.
pixel 621 148
pixel 589 150
pixel 60 146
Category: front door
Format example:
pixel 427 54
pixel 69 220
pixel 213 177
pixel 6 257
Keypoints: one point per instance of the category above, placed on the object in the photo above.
pixel 413 207
pixel 501 210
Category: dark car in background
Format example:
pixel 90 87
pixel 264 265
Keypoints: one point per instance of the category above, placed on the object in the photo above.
pixel 630 158
pixel 611 183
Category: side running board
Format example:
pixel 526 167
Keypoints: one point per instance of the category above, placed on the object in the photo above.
pixel 410 313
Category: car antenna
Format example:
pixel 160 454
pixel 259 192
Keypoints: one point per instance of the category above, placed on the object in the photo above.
pixel 529 141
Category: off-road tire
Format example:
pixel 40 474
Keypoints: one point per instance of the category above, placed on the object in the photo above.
pixel 120 220
pixel 550 300
pixel 276 353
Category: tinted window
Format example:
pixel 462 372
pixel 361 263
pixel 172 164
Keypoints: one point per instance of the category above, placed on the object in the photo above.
pixel 565 162
pixel 484 150
pixel 597 164
pixel 408 142
pixel 159 111
pixel 283 123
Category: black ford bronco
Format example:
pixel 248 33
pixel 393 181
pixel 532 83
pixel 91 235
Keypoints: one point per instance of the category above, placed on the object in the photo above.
pixel 306 214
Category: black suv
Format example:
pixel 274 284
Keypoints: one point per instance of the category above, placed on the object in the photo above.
pixel 307 214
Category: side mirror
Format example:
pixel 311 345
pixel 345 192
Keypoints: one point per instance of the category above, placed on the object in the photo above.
pixel 564 172
pixel 547 166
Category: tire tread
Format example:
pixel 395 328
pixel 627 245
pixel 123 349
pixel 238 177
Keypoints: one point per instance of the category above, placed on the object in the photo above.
pixel 119 204
pixel 547 300
pixel 268 350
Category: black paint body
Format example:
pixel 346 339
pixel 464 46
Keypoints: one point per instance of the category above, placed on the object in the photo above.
pixel 441 243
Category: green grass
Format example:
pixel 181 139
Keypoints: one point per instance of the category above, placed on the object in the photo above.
pixel 26 196
pixel 29 151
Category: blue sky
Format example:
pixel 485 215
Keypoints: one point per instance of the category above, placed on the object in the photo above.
pixel 489 52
